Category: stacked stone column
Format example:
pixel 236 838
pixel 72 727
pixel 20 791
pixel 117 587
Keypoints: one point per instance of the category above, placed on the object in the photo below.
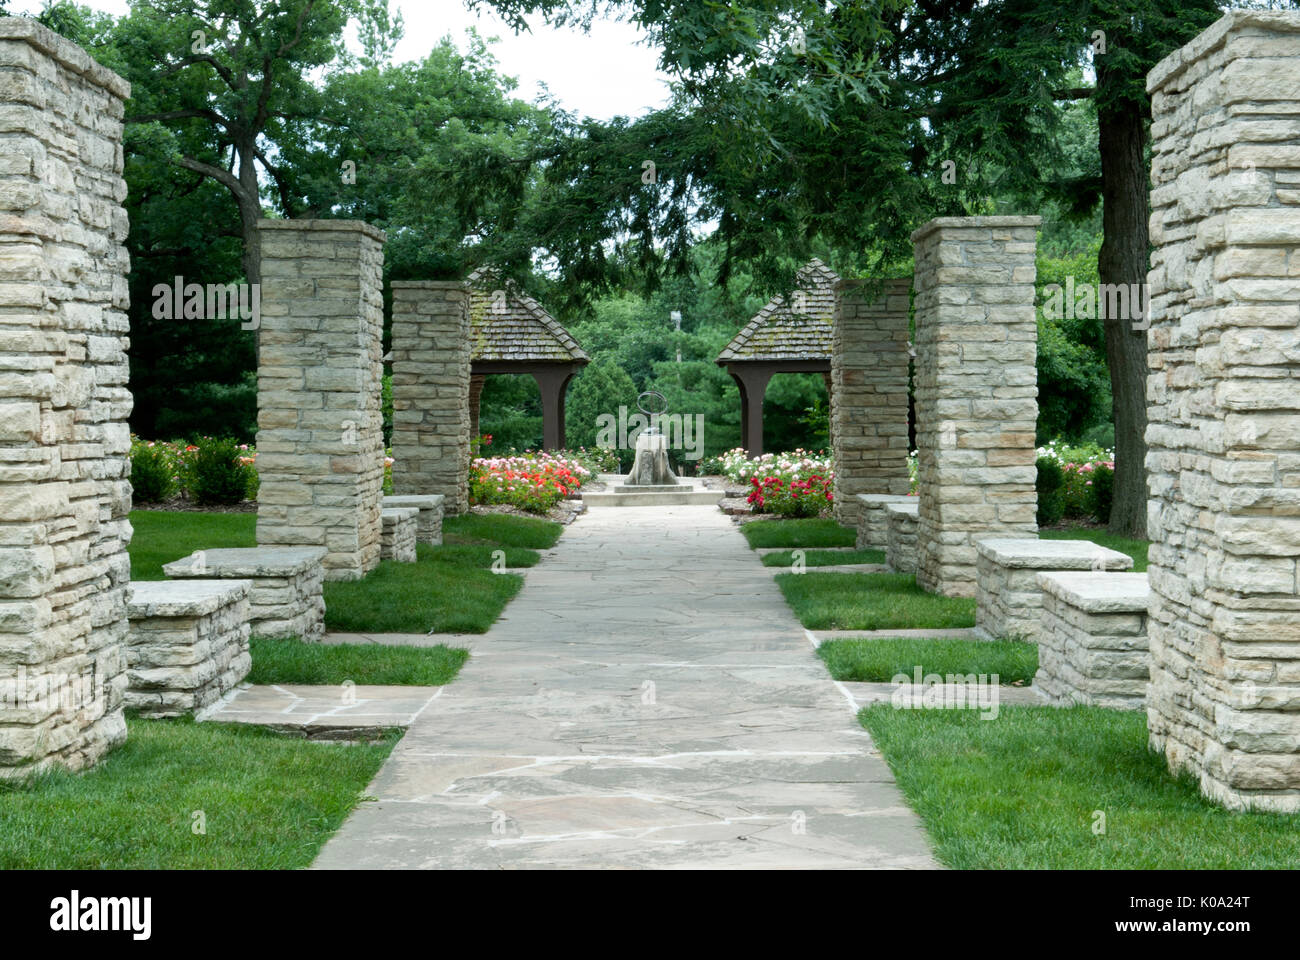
pixel 64 441
pixel 320 438
pixel 868 393
pixel 1224 411
pixel 431 391
pixel 976 391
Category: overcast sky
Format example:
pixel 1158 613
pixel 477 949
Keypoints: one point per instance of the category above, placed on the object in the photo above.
pixel 602 74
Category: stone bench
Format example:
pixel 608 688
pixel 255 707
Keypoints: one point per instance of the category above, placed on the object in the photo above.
pixel 873 523
pixel 1092 648
pixel 900 546
pixel 1008 599
pixel 397 536
pixel 187 643
pixel 287 599
pixel 429 528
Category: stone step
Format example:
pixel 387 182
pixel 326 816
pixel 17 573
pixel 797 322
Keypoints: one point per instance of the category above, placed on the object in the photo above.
pixel 679 498
pixel 325 712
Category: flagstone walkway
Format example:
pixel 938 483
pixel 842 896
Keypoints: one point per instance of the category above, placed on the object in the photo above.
pixel 647 701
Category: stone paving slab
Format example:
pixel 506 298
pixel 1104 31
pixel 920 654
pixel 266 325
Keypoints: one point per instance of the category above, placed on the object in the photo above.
pixel 325 712
pixel 647 701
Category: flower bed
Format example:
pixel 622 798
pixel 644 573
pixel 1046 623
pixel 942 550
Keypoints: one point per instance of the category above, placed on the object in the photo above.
pixel 535 482
pixel 794 484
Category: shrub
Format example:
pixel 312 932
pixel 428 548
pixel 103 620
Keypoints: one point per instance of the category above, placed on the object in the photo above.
pixel 1101 493
pixel 153 473
pixel 1051 492
pixel 220 473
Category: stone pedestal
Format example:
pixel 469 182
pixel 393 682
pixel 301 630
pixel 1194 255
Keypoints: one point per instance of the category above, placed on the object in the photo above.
pixel 429 523
pixel 1092 648
pixel 64 402
pixel 1223 397
pixel 873 522
pixel 1009 601
pixel 431 391
pixel 868 392
pixel 650 467
pixel 286 600
pixel 900 547
pixel 400 524
pixel 976 391
pixel 320 444
pixel 188 644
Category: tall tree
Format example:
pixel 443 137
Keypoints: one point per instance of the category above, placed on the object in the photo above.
pixel 225 81
pixel 987 78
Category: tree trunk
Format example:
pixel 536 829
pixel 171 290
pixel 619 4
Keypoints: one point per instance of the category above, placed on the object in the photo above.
pixel 250 211
pixel 1123 261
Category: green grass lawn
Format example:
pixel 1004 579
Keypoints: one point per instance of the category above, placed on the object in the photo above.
pixel 814 532
pixel 880 660
pixel 1137 549
pixel 1022 791
pixel 501 530
pixel 824 558
pixel 292 661
pixel 430 595
pixel 450 589
pixel 269 802
pixel 162 536
pixel 871 601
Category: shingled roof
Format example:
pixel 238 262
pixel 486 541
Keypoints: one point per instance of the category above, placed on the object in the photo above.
pixel 781 332
pixel 510 325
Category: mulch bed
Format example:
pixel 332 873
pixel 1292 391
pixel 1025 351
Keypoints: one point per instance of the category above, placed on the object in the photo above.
pixel 189 506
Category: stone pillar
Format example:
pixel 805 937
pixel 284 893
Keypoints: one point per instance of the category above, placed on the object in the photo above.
pixel 1223 396
pixel 868 393
pixel 976 391
pixel 476 382
pixel 431 387
pixel 64 440
pixel 320 442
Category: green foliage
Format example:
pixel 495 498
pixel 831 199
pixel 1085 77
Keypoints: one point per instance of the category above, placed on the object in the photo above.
pixel 1102 493
pixel 871 601
pixel 292 661
pixel 1051 492
pixel 218 475
pixel 600 389
pixel 153 474
pixel 1073 379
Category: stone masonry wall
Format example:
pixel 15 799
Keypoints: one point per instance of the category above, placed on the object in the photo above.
pixel 868 393
pixel 431 387
pixel 976 391
pixel 1223 394
pixel 320 443
pixel 64 488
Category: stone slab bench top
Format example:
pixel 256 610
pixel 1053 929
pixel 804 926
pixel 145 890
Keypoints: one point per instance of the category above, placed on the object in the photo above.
pixel 1099 592
pixel 425 500
pixel 399 513
pixel 247 562
pixel 912 509
pixel 1052 554
pixel 883 498
pixel 182 598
